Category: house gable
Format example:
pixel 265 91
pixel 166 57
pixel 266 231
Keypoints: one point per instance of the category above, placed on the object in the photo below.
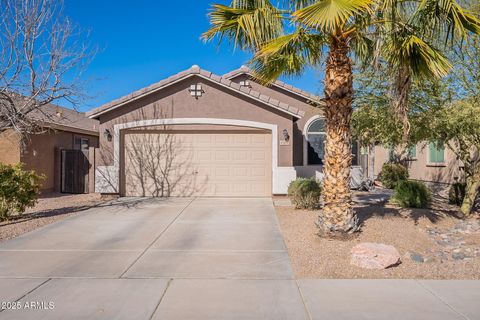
pixel 207 76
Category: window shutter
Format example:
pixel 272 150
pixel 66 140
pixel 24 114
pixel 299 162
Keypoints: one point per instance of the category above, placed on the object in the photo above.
pixel 412 152
pixel 440 153
pixel 436 152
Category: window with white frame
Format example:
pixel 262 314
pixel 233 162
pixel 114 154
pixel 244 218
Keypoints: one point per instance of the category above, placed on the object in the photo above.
pixel 316 138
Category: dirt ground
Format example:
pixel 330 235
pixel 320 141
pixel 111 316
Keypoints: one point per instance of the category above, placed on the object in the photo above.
pixel 433 244
pixel 51 207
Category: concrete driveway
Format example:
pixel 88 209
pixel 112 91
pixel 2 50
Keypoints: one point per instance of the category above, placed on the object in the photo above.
pixel 198 258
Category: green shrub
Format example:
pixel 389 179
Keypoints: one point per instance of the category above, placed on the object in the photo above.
pixel 457 193
pixel 19 189
pixel 411 194
pixel 392 174
pixel 304 193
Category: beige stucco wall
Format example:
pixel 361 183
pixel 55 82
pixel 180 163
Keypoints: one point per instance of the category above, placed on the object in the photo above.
pixel 41 155
pixel 176 102
pixel 10 146
pixel 420 169
pixel 293 100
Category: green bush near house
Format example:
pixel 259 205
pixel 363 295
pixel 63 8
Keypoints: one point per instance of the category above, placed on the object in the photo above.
pixel 19 189
pixel 305 193
pixel 392 174
pixel 456 194
pixel 411 194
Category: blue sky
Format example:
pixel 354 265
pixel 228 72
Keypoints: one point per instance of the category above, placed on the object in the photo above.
pixel 143 42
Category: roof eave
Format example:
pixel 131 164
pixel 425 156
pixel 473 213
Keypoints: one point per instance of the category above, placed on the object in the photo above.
pixel 60 127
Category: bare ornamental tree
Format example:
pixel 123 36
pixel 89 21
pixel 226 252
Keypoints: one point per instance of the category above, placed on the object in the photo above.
pixel 42 60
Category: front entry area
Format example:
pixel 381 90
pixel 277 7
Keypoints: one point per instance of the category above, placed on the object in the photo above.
pixel 186 163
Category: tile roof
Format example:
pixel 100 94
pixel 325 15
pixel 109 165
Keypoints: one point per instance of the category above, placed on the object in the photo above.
pixel 62 118
pixel 196 71
pixel 277 83
pixel 56 117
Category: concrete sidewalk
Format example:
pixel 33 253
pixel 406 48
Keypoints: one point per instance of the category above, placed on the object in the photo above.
pixel 81 298
pixel 195 259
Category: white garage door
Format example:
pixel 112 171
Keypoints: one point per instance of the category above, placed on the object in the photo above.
pixel 198 163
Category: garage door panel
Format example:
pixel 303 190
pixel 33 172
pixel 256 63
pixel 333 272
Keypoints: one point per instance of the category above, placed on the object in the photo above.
pixel 258 172
pixel 259 155
pixel 260 140
pixel 198 164
pixel 240 155
pixel 203 155
pixel 222 140
pixel 221 155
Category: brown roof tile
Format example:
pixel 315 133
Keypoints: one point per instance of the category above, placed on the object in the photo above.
pixel 278 83
pixel 254 93
pixel 275 102
pixel 53 115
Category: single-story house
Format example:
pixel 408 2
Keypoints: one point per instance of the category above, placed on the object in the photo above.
pixel 198 133
pixel 201 134
pixel 433 163
pixel 63 150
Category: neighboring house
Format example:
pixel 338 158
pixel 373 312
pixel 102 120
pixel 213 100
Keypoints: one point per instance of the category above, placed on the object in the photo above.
pixel 197 133
pixel 430 162
pixel 63 150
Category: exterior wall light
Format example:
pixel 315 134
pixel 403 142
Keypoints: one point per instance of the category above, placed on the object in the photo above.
pixel 196 90
pixel 107 134
pixel 286 136
pixel 245 83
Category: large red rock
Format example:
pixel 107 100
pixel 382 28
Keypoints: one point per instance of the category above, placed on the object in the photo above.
pixel 374 255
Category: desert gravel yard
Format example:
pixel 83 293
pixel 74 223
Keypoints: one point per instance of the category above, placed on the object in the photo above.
pixel 51 207
pixel 197 258
pixel 431 246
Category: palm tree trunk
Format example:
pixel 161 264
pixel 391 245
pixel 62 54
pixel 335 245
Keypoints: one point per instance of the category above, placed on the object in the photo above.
pixel 338 217
pixel 403 84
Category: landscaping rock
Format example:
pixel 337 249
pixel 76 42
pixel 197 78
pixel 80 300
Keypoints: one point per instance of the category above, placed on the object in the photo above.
pixel 418 258
pixel 455 246
pixel 458 255
pixel 467 227
pixel 374 256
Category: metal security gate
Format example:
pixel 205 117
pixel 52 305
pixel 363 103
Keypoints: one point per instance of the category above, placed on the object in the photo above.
pixel 74 171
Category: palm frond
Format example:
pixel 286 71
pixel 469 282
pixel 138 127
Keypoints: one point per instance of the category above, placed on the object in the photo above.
pixel 364 48
pixel 446 16
pixel 297 4
pixel 288 55
pixel 422 58
pixel 247 23
pixel 329 15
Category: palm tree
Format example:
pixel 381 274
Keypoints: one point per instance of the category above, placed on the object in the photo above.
pixel 408 55
pixel 285 40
